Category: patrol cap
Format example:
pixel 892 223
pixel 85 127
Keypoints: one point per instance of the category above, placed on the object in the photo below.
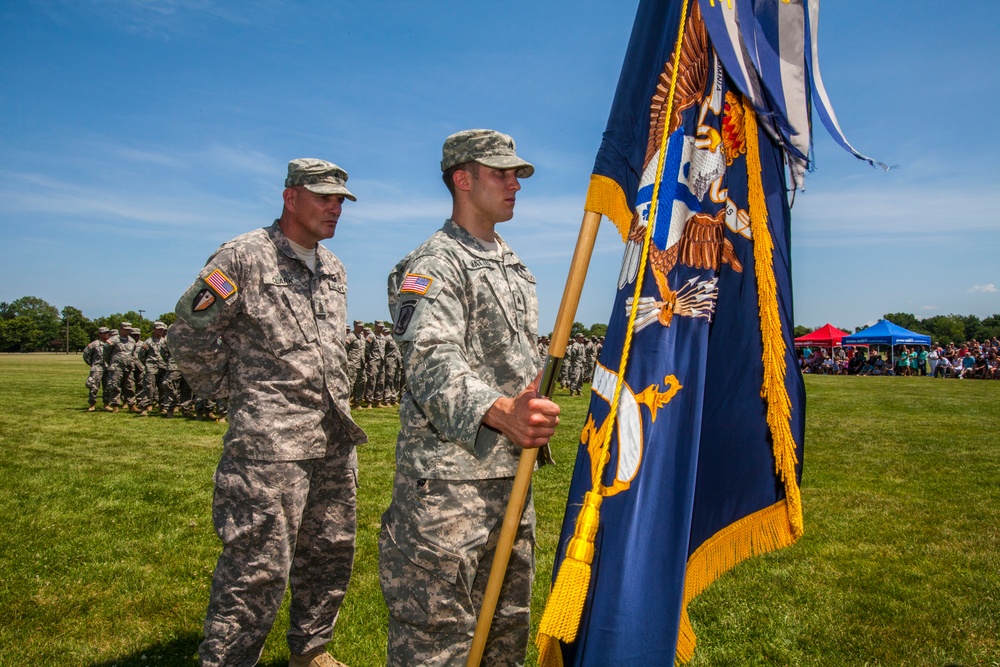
pixel 125 325
pixel 380 323
pixel 136 330
pixel 319 176
pixel 101 330
pixel 359 323
pixel 487 147
pixel 159 325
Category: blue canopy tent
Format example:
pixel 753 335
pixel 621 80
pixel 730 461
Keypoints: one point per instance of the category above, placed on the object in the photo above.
pixel 885 332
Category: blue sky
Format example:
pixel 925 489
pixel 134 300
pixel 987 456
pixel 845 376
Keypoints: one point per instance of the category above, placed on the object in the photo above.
pixel 138 136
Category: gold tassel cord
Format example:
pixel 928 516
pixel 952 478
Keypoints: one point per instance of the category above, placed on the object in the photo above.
pixel 561 618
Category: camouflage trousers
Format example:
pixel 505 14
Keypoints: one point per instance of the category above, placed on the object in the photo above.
pixel 357 378
pixel 435 552
pixel 94 382
pixel 280 522
pixel 575 379
pixel 121 384
pixel 375 382
pixel 170 389
pixel 151 382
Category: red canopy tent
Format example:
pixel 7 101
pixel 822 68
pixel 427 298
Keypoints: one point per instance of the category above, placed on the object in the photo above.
pixel 826 336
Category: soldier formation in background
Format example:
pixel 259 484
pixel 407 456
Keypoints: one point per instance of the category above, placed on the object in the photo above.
pixel 140 376
pixel 579 361
pixel 134 375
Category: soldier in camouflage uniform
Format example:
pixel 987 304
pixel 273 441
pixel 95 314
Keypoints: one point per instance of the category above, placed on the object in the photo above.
pixel 466 318
pixel 591 349
pixel 119 357
pixel 393 370
pixel 576 361
pixel 151 356
pixel 375 367
pixel 171 386
pixel 138 371
pixel 93 355
pixel 286 485
pixel 355 346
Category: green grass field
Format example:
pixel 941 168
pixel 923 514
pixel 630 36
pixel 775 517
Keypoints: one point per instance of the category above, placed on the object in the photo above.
pixel 108 546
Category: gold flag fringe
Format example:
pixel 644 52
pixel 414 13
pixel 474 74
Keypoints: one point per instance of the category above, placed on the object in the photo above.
pixel 606 197
pixel 773 390
pixel 755 534
pixel 561 618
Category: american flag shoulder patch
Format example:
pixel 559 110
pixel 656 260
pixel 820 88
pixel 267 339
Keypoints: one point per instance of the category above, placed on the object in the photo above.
pixel 414 283
pixel 220 283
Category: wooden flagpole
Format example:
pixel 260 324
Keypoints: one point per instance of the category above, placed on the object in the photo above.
pixel 526 464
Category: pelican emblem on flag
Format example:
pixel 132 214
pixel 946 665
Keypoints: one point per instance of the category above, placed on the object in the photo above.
pixel 630 424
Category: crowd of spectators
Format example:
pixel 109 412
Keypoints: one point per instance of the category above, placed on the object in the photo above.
pixel 969 360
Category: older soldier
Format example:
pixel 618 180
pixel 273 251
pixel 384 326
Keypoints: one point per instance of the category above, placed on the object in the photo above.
pixel 93 355
pixel 466 318
pixel 355 346
pixel 286 485
pixel 119 356
pixel 151 355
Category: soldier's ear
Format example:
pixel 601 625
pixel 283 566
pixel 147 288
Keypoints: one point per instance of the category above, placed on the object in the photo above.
pixel 290 196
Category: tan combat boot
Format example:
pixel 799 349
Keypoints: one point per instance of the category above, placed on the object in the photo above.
pixel 317 658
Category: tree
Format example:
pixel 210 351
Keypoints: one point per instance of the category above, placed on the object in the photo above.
pixel 906 320
pixel 598 329
pixel 800 331
pixel 38 324
pixel 76 328
pixel 577 328
pixel 945 329
pixel 19 334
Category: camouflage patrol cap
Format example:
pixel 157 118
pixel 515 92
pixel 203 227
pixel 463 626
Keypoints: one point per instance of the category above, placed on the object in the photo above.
pixel 101 330
pixel 359 323
pixel 136 330
pixel 487 147
pixel 380 323
pixel 319 176
pixel 125 325
pixel 159 325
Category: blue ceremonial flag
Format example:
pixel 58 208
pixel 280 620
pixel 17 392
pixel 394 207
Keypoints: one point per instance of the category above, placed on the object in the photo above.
pixel 691 456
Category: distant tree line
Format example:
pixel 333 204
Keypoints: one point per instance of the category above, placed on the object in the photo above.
pixel 942 329
pixel 31 324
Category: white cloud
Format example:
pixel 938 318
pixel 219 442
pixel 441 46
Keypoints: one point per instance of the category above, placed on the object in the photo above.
pixel 989 287
pixel 848 215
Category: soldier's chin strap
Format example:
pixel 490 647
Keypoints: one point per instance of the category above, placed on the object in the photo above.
pixel 526 464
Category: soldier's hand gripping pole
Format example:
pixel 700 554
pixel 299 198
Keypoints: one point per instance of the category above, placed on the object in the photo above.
pixel 526 465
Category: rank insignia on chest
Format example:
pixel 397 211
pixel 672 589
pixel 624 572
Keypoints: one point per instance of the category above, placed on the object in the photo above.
pixel 414 283
pixel 220 283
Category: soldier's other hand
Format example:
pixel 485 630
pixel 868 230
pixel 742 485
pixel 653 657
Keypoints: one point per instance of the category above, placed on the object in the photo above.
pixel 528 419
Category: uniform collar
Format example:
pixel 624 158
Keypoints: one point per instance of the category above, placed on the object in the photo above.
pixel 283 246
pixel 471 243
